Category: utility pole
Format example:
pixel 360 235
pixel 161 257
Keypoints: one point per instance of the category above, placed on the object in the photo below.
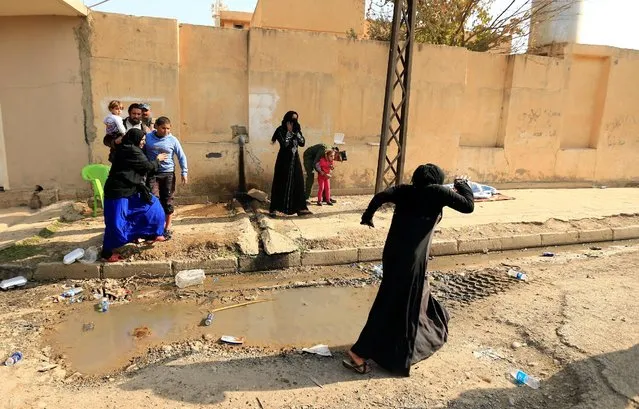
pixel 392 146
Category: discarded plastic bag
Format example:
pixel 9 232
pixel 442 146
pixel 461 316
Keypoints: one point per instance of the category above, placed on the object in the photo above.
pixel 319 349
pixel 90 255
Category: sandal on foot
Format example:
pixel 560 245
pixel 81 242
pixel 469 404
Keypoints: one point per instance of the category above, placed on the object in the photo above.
pixel 114 258
pixel 360 369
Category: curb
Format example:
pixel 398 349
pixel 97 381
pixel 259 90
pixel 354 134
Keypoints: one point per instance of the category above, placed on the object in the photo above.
pixel 263 262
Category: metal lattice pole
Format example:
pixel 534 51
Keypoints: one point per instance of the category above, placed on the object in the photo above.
pixel 392 147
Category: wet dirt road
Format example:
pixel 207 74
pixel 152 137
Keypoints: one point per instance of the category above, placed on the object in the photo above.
pixel 574 326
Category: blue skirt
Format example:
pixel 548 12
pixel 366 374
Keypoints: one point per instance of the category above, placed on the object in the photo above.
pixel 130 218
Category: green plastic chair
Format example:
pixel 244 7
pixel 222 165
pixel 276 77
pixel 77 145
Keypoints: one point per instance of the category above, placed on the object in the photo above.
pixel 96 174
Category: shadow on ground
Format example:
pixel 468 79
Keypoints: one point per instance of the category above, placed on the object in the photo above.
pixel 608 381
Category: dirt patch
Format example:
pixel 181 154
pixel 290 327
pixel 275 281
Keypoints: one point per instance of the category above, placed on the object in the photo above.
pixel 208 211
pixel 192 247
pixel 141 332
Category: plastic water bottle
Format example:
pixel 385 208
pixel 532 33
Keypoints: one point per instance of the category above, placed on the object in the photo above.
pixel 209 319
pixel 522 378
pixel 187 278
pixel 104 304
pixel 72 292
pixel 518 275
pixel 18 281
pixel 13 359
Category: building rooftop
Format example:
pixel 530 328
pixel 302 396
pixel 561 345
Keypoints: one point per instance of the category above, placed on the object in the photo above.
pixel 236 15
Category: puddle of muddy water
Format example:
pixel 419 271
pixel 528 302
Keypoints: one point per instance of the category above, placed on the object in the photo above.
pixel 297 317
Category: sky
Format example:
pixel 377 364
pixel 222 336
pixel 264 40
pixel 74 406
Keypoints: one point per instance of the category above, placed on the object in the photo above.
pixel 185 11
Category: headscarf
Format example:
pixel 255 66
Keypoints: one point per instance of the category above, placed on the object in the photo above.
pixel 288 117
pixel 428 174
pixel 133 137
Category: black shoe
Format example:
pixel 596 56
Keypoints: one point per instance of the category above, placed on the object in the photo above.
pixel 329 203
pixel 319 203
pixel 333 200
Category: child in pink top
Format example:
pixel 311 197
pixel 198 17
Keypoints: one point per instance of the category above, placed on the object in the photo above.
pixel 324 167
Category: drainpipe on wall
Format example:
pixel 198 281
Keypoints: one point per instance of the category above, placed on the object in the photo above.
pixel 241 134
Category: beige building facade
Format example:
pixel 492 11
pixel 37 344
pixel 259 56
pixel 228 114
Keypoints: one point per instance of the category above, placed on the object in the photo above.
pixel 519 120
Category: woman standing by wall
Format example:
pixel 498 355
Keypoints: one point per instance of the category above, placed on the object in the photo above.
pixel 287 192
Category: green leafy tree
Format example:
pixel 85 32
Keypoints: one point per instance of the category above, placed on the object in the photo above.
pixel 466 23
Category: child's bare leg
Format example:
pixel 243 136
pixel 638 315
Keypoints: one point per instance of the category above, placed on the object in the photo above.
pixel 169 219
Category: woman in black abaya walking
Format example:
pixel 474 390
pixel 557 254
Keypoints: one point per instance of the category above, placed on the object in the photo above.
pixel 406 323
pixel 287 193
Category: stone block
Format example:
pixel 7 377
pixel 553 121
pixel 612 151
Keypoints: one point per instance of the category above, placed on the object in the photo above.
pixel 58 271
pixel 218 265
pixel 595 235
pixel 559 238
pixel 625 233
pixel 138 268
pixel 478 245
pixel 370 253
pixel 443 247
pixel 520 241
pixel 329 257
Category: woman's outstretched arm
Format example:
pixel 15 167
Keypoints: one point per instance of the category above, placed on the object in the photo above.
pixel 388 195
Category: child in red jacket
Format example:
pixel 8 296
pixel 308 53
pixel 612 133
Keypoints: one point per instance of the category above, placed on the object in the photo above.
pixel 324 167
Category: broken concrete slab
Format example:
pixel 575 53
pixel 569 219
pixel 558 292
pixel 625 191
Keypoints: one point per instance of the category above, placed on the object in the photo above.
pixel 258 195
pixel 277 243
pixel 247 239
pixel 265 222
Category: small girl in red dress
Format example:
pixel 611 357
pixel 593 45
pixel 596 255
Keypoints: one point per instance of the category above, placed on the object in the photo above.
pixel 324 167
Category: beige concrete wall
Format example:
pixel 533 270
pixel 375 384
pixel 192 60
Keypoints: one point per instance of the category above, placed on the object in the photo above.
pixel 336 86
pixel 327 16
pixel 41 99
pixel 501 119
pixel 213 97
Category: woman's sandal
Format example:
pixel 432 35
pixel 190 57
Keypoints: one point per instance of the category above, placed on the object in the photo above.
pixel 114 258
pixel 360 369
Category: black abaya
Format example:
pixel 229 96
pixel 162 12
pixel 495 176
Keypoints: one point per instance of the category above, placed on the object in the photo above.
pixel 287 192
pixel 406 323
